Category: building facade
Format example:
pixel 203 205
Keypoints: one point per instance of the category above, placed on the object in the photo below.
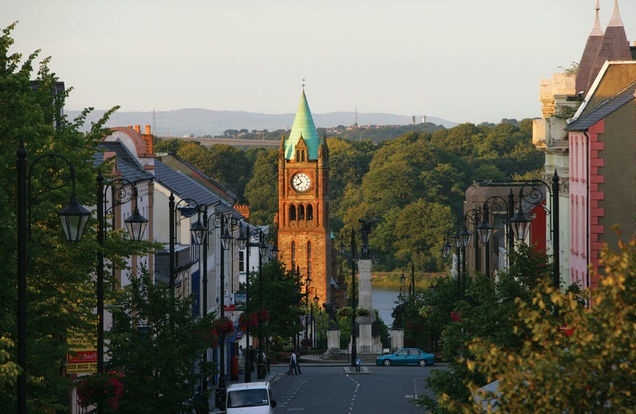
pixel 304 242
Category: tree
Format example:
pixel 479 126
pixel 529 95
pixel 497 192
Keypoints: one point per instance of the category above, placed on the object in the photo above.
pixel 487 310
pixel 582 361
pixel 280 294
pixel 155 342
pixel 61 294
pixel 261 191
pixel 228 165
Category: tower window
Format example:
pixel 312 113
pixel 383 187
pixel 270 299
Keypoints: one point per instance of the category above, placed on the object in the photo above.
pixel 310 212
pixel 301 212
pixel 292 212
pixel 293 253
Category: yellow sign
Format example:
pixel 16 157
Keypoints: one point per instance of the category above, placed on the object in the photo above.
pixel 82 356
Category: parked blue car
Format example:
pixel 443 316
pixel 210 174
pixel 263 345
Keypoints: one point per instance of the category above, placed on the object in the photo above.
pixel 406 356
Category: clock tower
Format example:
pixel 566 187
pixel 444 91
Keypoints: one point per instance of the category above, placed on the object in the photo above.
pixel 304 243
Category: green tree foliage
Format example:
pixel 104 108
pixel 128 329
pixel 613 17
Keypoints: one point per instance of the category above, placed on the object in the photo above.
pixel 261 191
pixel 582 361
pixel 60 292
pixel 411 178
pixel 488 310
pixel 229 166
pixel 195 154
pixel 280 292
pixel 154 340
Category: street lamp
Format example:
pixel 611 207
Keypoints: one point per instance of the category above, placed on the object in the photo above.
pixel 518 223
pixel 354 305
pixel 73 218
pixel 314 337
pixel 461 240
pixel 222 221
pixel 307 290
pixel 485 230
pixel 123 191
pixel 188 207
pixel 262 250
pixel 521 221
pixel 200 233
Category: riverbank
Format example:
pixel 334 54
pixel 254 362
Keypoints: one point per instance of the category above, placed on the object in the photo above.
pixel 394 281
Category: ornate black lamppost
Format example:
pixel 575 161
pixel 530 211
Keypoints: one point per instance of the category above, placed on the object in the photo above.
pixel 354 304
pixel 519 222
pixel 188 207
pixel 224 221
pixel 461 240
pixel 495 204
pixel 123 191
pixel 262 250
pixel 73 217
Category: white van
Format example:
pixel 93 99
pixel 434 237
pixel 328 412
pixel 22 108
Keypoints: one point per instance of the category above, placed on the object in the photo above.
pixel 249 398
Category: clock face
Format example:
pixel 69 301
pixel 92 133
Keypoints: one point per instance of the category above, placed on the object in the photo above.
pixel 301 182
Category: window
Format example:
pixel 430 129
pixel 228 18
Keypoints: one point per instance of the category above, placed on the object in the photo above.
pixel 292 212
pixel 310 212
pixel 301 212
pixel 247 398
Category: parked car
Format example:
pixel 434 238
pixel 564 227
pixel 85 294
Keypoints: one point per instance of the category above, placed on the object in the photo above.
pixel 249 398
pixel 406 356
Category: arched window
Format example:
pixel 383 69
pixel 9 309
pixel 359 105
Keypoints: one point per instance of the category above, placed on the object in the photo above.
pixel 292 212
pixel 309 259
pixel 301 212
pixel 293 253
pixel 310 212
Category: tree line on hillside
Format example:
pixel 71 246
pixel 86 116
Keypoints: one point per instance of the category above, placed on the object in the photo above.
pixel 373 133
pixel 412 185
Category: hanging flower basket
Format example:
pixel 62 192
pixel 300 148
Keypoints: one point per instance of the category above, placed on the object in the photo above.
pixel 103 390
pixel 262 315
pixel 223 326
pixel 247 320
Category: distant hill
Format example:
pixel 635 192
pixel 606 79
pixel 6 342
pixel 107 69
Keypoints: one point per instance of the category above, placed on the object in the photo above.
pixel 206 122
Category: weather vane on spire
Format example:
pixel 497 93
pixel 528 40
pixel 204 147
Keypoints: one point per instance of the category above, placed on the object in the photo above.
pixel 303 84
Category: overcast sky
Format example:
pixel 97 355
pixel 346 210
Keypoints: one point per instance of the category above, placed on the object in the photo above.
pixel 460 60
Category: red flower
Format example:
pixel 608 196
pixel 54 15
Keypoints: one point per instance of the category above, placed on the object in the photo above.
pixel 104 390
pixel 223 326
pixel 247 321
pixel 456 316
pixel 262 315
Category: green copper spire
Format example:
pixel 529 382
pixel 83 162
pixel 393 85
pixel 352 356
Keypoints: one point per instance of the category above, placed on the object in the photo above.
pixel 303 127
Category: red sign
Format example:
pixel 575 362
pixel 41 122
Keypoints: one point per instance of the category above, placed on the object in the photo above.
pixel 82 357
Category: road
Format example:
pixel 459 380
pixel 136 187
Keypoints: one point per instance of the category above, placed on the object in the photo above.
pixel 329 389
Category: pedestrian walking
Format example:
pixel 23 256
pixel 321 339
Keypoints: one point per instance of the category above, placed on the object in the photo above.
pixel 292 364
pixel 298 363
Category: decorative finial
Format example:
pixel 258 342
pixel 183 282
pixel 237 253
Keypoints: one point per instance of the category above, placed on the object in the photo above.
pixel 303 84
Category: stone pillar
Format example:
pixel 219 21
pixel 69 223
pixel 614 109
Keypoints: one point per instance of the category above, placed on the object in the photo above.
pixel 364 286
pixel 397 339
pixel 333 339
pixel 365 340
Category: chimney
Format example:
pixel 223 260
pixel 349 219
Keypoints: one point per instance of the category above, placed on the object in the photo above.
pixel 137 128
pixel 147 129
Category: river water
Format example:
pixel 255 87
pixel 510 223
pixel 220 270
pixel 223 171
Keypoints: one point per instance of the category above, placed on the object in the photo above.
pixel 384 301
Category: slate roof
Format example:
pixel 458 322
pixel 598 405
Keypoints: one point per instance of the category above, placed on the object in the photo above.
pixel 185 187
pixel 127 164
pixel 304 127
pixel 603 110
